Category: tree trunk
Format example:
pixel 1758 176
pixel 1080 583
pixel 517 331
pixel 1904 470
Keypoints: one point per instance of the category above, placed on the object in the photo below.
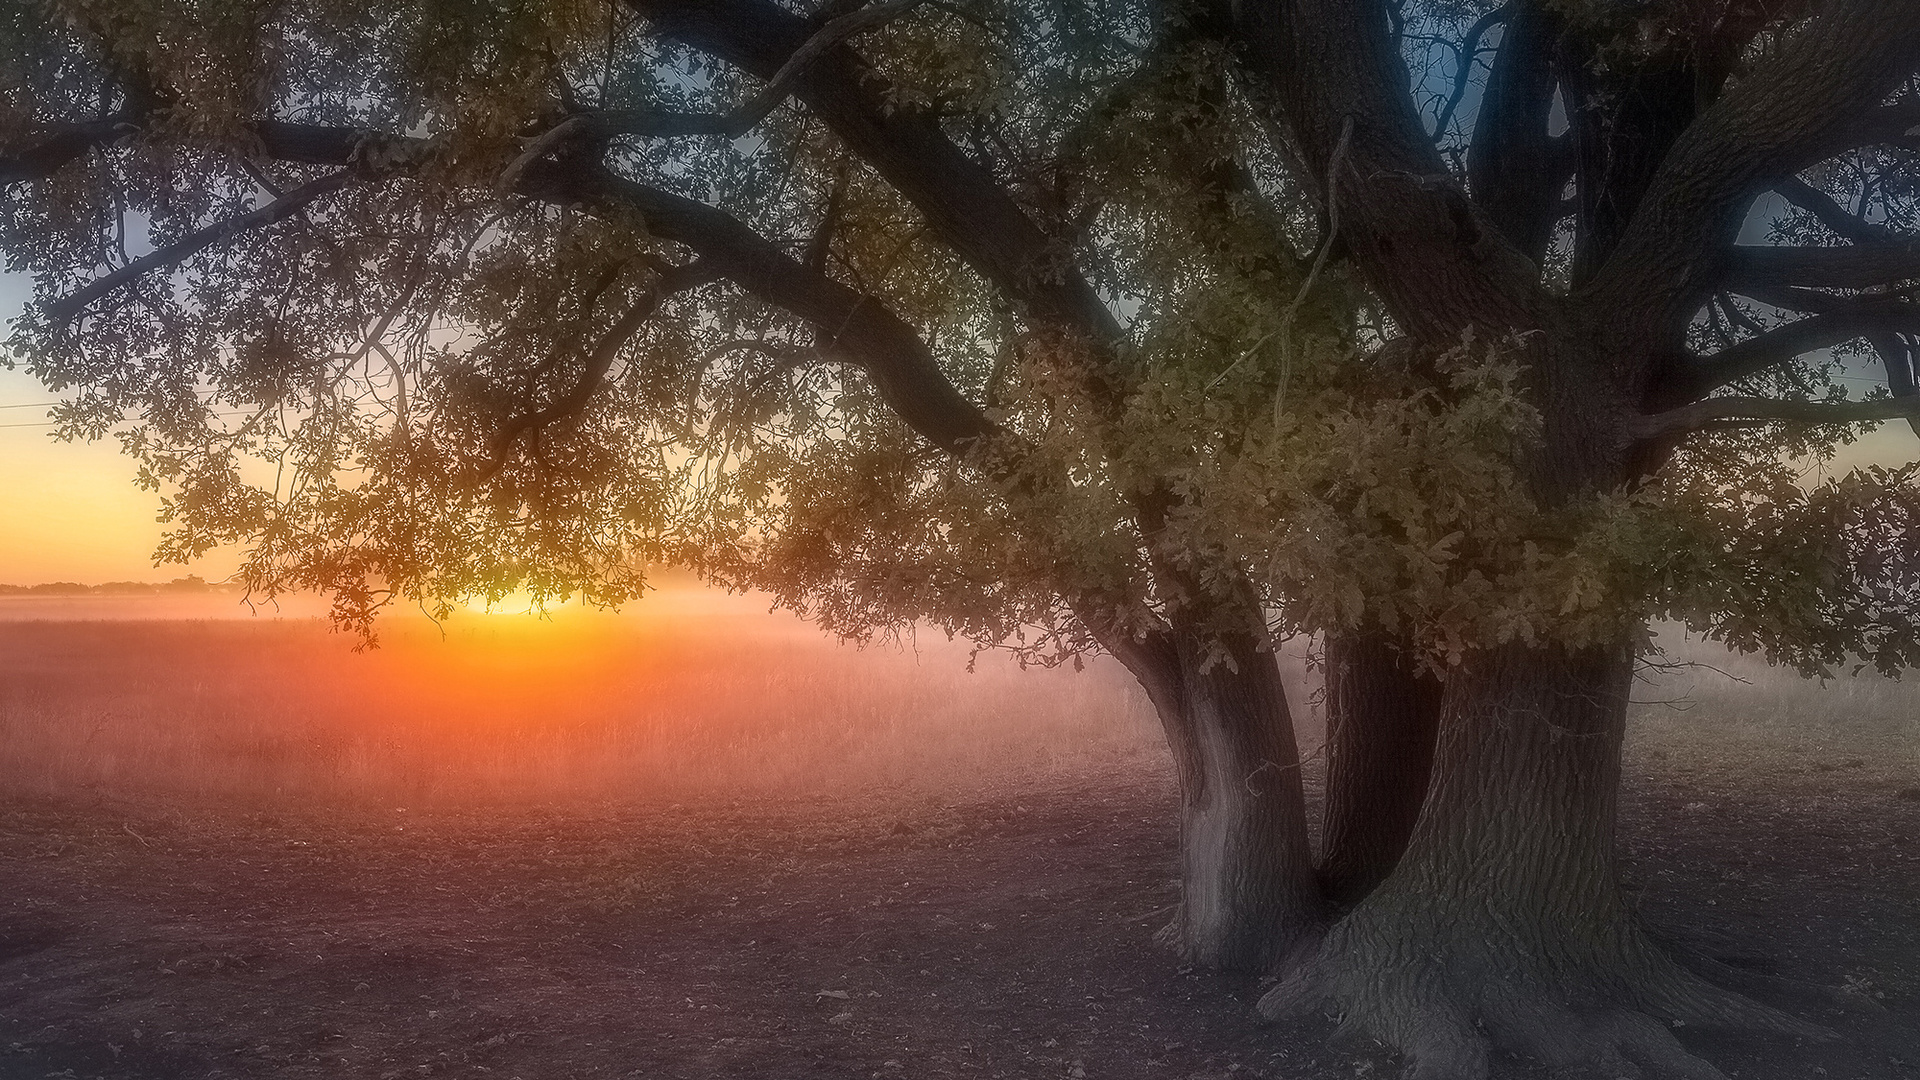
pixel 1382 718
pixel 1504 924
pixel 1249 898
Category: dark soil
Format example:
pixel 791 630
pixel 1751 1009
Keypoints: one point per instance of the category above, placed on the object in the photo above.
pixel 878 937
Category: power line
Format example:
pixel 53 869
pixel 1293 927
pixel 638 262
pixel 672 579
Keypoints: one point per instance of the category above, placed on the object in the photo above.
pixel 55 423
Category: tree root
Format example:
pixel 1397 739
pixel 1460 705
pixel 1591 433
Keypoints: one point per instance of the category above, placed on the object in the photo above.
pixel 1447 1000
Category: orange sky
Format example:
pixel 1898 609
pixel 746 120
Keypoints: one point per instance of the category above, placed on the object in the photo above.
pixel 69 512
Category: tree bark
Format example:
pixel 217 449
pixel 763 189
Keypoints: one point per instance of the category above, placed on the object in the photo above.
pixel 1249 898
pixel 1382 718
pixel 1504 925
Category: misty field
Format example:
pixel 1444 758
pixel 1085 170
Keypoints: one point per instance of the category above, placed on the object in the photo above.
pixel 688 693
pixel 698 840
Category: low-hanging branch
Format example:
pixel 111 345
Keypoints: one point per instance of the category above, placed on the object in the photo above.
pixel 63 310
pixel 1757 410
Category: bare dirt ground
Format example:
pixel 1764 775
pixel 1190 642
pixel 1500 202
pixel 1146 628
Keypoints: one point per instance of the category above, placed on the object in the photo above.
pixel 1005 935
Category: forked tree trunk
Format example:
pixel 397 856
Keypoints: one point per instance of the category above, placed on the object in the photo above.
pixel 1504 924
pixel 1249 896
pixel 1382 718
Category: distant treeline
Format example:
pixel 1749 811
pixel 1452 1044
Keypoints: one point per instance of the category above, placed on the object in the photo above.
pixel 188 584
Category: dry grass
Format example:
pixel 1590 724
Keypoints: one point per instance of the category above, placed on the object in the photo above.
pixel 1728 719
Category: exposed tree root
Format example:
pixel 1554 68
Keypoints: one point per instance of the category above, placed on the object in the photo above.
pixel 1805 994
pixel 1447 994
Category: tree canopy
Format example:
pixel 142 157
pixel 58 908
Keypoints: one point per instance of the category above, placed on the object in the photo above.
pixel 900 310
pixel 1471 336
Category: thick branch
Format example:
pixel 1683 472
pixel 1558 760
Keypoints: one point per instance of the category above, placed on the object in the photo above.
pixel 1712 411
pixel 1435 259
pixel 1859 267
pixel 1833 215
pixel 731 124
pixel 967 207
pixel 1757 354
pixel 57 148
pixel 1514 168
pixel 855 328
pixel 1757 133
pixel 1897 124
pixel 64 309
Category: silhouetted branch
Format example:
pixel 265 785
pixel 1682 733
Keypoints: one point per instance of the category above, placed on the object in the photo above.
pixel 1468 51
pixel 1702 414
pixel 599 361
pixel 1834 216
pixel 607 124
pixel 1858 267
pixel 65 308
pixel 59 146
pixel 1781 344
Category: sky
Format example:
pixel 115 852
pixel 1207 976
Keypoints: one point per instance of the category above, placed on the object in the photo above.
pixel 68 512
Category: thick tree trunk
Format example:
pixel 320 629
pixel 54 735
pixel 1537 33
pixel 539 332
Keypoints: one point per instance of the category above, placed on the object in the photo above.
pixel 1382 718
pixel 1504 924
pixel 1249 896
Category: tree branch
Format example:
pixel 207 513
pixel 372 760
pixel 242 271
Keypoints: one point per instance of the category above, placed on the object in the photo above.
pixel 732 124
pixel 1433 257
pixel 1514 169
pixel 1762 410
pixel 966 206
pixel 1858 267
pixel 1897 124
pixel 1758 132
pixel 60 146
pixel 856 328
pixel 64 309
pixel 599 361
pixel 1833 215
pixel 1468 54
pixel 1757 354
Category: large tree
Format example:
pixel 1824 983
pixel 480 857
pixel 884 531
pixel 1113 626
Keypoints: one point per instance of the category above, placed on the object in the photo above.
pixel 1163 328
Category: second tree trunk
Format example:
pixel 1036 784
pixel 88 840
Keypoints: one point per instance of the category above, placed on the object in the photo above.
pixel 1382 718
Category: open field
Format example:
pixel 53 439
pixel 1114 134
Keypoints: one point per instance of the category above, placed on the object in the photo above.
pixel 699 841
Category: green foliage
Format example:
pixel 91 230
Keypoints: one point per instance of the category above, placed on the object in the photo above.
pixel 394 396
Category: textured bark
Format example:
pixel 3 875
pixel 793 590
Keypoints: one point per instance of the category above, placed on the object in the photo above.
pixel 1382 717
pixel 1504 925
pixel 1249 898
pixel 1515 170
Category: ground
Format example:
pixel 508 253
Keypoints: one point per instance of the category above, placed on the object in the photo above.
pixel 1009 934
pixel 698 841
